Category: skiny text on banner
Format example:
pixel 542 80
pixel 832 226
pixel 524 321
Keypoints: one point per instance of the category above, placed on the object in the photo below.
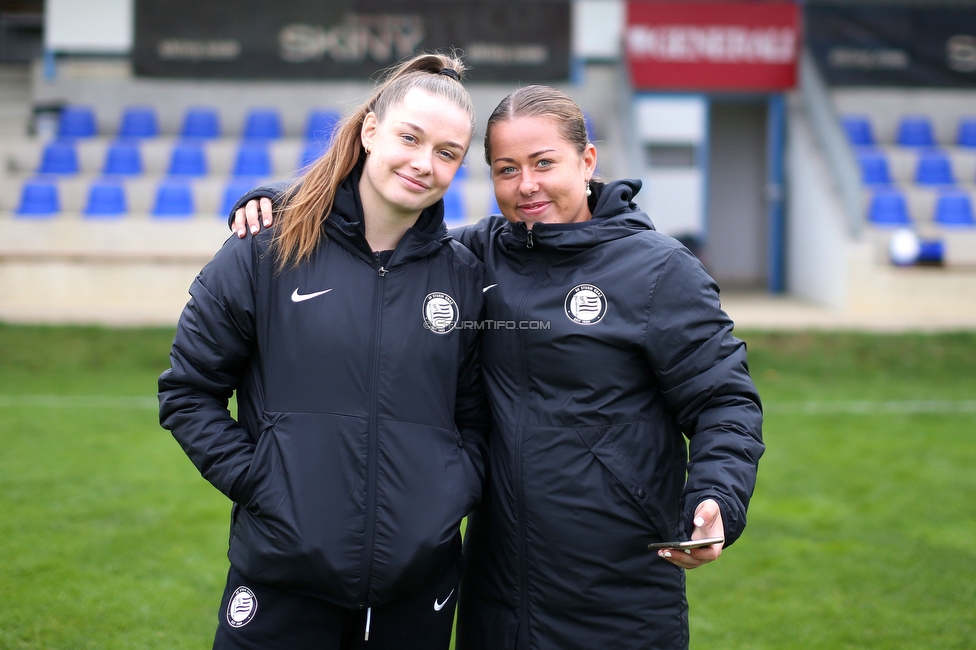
pixel 502 40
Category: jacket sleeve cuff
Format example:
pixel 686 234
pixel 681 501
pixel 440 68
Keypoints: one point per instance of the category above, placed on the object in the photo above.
pixel 730 520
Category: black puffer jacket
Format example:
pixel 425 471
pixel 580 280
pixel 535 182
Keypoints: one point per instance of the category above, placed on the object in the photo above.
pixel 604 343
pixel 360 438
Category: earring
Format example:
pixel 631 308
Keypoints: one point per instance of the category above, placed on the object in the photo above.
pixel 588 190
pixel 367 149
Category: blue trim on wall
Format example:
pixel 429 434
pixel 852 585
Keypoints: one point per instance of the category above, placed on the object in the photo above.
pixel 775 144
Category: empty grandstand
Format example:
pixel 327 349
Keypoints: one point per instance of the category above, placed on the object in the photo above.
pixel 785 152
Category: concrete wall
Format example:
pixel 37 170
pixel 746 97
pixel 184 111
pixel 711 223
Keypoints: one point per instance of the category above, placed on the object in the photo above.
pixel 816 237
pixel 131 272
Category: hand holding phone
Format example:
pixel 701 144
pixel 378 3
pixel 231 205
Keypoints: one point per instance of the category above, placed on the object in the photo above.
pixel 687 544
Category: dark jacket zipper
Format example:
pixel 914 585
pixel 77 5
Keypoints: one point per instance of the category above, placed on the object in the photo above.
pixel 519 492
pixel 371 447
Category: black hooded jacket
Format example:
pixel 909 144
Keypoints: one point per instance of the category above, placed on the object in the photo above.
pixel 360 438
pixel 609 346
pixel 620 401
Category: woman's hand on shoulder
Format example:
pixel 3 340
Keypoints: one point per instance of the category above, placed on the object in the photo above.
pixel 252 216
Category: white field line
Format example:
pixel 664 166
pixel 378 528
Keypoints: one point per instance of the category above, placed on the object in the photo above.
pixel 878 407
pixel 79 401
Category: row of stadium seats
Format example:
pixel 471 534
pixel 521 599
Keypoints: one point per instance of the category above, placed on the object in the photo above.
pixel 41 197
pixel 889 207
pixel 186 158
pixel 107 197
pixel 198 122
pixel 912 131
pixel 931 167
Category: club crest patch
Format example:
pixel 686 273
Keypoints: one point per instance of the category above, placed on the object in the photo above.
pixel 242 607
pixel 586 304
pixel 440 313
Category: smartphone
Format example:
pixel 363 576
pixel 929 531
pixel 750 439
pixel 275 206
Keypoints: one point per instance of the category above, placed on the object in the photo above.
pixel 691 543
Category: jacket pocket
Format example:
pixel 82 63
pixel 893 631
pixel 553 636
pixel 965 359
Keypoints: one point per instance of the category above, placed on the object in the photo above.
pixel 266 504
pixel 258 490
pixel 303 526
pixel 640 457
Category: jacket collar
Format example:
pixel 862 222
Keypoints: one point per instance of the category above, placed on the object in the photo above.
pixel 615 216
pixel 346 225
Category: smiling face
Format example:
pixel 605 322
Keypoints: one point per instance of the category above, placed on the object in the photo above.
pixel 414 152
pixel 539 176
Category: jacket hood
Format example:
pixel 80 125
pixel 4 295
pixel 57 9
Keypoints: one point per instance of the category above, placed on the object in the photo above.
pixel 615 215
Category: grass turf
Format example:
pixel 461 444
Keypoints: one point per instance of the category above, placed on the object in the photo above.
pixel 860 533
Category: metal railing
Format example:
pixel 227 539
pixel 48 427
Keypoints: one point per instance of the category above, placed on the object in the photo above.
pixel 815 98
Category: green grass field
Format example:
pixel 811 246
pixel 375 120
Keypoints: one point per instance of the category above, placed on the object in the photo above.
pixel 860 535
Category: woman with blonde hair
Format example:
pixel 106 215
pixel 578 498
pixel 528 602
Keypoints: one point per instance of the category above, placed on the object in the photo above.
pixel 359 442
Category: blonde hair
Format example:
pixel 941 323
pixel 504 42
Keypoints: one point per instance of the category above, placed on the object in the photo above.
pixel 310 197
pixel 541 101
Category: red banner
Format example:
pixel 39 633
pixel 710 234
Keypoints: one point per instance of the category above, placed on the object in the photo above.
pixel 727 46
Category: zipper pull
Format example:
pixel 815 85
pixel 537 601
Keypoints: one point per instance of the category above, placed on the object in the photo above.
pixel 529 242
pixel 382 271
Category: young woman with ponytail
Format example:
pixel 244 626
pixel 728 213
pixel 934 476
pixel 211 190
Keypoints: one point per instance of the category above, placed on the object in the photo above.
pixel 360 435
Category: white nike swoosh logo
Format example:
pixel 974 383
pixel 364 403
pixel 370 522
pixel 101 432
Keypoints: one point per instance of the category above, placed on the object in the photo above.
pixel 439 606
pixel 489 287
pixel 299 297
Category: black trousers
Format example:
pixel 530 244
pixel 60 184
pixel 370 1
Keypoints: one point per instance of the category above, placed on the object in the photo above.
pixel 257 616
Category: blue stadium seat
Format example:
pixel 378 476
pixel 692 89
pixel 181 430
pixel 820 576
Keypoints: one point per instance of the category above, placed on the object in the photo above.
pixel 262 124
pixel 200 122
pixel 174 198
pixel 77 122
pixel 858 130
pixel 966 136
pixel 123 158
pixel 934 168
pixel 252 159
pixel 888 208
pixel 188 159
pixel 321 125
pixel 59 157
pixel 454 211
pixel 106 198
pixel 874 167
pixel 39 197
pixel 954 208
pixel 139 122
pixel 312 151
pixel 234 190
pixel 915 131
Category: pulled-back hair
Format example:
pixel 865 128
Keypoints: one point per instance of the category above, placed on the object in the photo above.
pixel 541 101
pixel 310 197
